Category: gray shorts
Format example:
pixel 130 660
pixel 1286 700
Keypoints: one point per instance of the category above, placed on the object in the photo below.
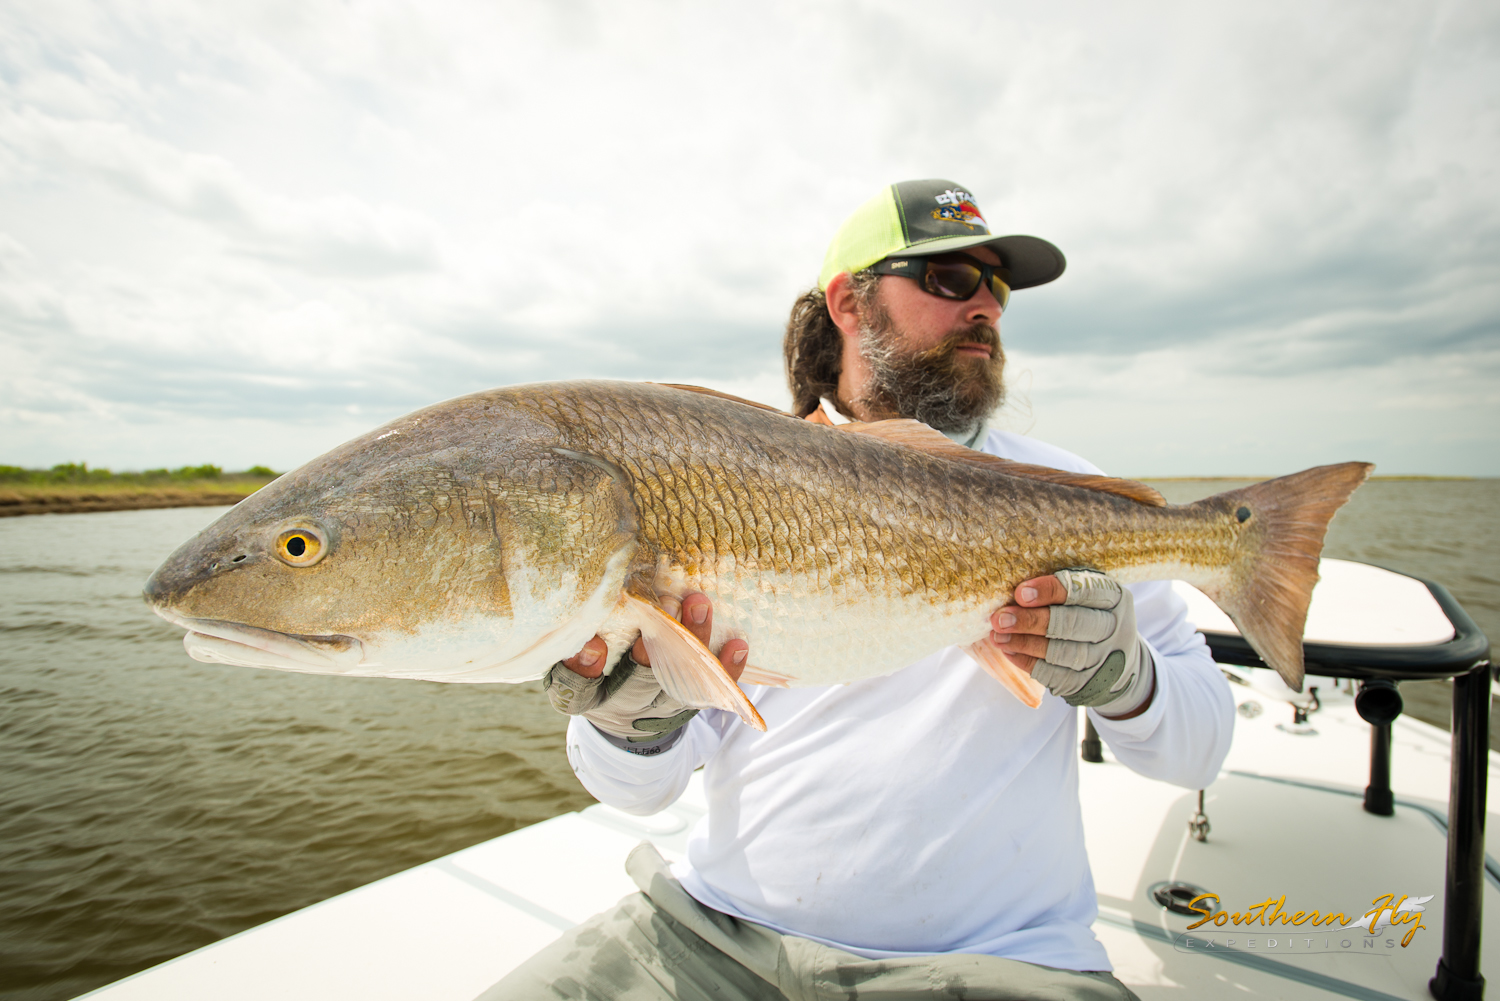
pixel 662 945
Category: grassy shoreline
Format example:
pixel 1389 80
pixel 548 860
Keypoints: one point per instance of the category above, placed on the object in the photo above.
pixel 121 495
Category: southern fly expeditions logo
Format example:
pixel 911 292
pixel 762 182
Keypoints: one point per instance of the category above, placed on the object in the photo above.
pixel 1268 927
pixel 957 205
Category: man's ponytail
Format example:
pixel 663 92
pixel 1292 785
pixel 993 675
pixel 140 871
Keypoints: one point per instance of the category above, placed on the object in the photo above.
pixel 813 349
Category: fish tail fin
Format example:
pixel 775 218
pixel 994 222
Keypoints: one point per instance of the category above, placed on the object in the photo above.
pixel 1270 580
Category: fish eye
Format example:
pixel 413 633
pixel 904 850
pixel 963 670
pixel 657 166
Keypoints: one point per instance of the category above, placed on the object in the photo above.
pixel 300 547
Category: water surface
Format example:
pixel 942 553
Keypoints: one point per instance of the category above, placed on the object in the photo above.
pixel 151 804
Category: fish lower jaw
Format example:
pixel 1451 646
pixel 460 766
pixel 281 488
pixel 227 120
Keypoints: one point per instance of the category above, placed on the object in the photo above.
pixel 470 653
pixel 209 649
pixel 215 641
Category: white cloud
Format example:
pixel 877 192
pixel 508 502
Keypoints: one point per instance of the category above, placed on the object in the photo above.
pixel 1158 414
pixel 336 233
pixel 243 220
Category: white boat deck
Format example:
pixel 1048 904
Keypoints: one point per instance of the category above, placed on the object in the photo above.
pixel 1287 818
pixel 449 928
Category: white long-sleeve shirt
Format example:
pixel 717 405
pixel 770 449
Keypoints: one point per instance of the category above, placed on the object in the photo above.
pixel 927 811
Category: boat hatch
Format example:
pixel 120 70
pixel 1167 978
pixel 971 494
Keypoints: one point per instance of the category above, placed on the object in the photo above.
pixel 1377 626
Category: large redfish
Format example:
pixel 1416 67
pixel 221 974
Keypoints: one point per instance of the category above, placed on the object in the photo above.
pixel 485 538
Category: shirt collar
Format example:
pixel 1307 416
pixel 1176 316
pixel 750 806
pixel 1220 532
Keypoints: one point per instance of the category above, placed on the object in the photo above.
pixel 974 439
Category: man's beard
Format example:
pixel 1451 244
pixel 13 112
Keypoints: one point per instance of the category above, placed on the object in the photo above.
pixel 941 388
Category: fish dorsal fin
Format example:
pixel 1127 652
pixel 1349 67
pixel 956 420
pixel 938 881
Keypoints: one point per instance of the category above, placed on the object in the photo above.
pixel 686 669
pixel 1020 684
pixel 722 396
pixel 915 434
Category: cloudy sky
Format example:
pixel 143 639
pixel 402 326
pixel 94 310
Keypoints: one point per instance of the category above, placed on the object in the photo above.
pixel 241 233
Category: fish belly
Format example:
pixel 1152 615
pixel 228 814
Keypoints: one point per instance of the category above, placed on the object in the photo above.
pixel 814 635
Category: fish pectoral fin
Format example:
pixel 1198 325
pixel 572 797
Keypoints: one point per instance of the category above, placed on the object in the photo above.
pixel 1020 684
pixel 915 434
pixel 686 668
pixel 753 675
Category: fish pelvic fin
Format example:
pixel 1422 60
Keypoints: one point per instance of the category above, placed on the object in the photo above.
pixel 1016 681
pixel 1269 585
pixel 915 434
pixel 686 668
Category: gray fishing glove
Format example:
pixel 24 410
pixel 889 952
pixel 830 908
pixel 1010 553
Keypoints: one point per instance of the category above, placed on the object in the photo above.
pixel 627 706
pixel 1095 656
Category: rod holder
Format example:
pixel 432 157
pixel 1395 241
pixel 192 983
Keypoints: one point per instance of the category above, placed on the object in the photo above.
pixel 1090 749
pixel 1458 977
pixel 1378 703
pixel 1378 798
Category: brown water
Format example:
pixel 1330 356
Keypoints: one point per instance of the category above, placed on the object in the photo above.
pixel 150 804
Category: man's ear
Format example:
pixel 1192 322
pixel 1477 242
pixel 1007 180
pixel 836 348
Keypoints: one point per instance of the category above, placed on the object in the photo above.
pixel 842 305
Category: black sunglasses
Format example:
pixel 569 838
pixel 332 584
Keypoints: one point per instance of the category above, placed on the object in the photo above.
pixel 949 276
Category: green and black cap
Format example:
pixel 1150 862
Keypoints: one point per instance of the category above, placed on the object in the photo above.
pixel 932 217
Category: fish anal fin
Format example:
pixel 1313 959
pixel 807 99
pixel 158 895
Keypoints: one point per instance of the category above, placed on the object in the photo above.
pixel 1020 684
pixel 753 675
pixel 915 434
pixel 686 669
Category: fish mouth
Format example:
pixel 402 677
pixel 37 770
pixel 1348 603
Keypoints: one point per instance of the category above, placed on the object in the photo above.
pixel 217 641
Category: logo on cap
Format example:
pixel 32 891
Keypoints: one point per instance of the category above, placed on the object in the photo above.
pixel 957 205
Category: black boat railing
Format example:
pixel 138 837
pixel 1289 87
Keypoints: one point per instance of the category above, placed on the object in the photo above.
pixel 1466 659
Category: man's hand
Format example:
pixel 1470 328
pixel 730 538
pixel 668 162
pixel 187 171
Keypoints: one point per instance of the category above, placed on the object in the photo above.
pixel 1075 632
pixel 628 706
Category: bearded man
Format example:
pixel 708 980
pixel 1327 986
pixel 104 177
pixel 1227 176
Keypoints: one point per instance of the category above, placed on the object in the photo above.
pixel 915 835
